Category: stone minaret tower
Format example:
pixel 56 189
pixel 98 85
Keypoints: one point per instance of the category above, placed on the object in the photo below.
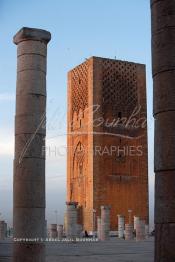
pixel 107 140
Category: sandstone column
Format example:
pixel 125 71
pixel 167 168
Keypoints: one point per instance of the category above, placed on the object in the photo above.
pixel 105 222
pixel 60 231
pixel 140 230
pixel 94 222
pixel 129 232
pixel 121 226
pixel 30 131
pixel 146 231
pixel 163 70
pixel 99 228
pixel 130 216
pixel 136 221
pixel 53 231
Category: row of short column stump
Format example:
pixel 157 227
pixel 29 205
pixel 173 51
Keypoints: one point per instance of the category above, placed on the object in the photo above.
pixel 125 231
pixel 71 229
pixel 140 230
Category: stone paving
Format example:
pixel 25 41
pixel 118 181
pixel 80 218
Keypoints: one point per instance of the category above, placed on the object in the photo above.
pixel 106 251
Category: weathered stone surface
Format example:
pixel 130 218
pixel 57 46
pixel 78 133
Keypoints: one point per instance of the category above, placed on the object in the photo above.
pixel 29 222
pixel 31 62
pixel 164 141
pixel 28 83
pixel 30 124
pixel 31 104
pixel 32 48
pixel 36 34
pixel 165 197
pixel 32 169
pixel 164 101
pixel 25 198
pixel 161 56
pixel 29 145
pixel 164 242
pixel 163 36
pixel 166 10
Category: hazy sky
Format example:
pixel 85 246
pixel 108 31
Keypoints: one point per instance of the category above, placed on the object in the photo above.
pixel 80 29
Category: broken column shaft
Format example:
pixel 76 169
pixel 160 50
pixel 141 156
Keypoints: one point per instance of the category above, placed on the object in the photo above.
pixel 136 221
pixel 129 231
pixel 140 230
pixel 163 71
pixel 60 231
pixel 53 233
pixel 30 131
pixel 99 228
pixel 105 222
pixel 121 226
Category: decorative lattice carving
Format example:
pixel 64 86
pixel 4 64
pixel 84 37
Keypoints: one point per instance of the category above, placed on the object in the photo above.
pixel 119 86
pixel 79 87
